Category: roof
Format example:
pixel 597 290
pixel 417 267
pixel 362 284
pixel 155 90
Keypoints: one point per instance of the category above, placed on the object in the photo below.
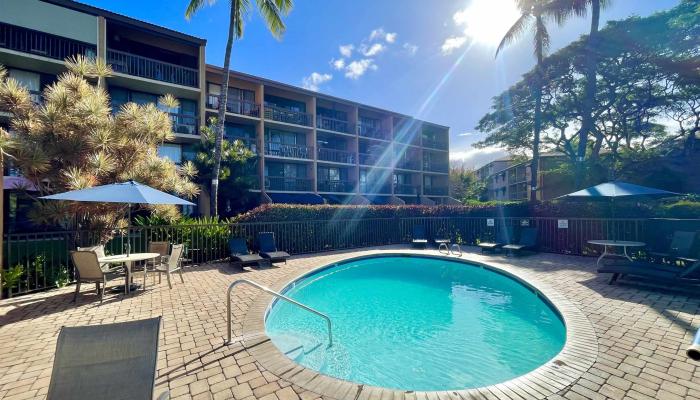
pixel 92 10
pixel 281 85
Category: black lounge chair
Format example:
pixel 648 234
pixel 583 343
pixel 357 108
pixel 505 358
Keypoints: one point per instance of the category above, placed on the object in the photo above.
pixel 679 250
pixel 658 272
pixel 111 361
pixel 268 248
pixel 528 241
pixel 503 237
pixel 239 253
pixel 419 238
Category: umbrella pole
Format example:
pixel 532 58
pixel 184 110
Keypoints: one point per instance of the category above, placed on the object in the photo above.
pixel 128 232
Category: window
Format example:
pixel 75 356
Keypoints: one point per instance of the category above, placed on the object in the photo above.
pixel 30 80
pixel 173 152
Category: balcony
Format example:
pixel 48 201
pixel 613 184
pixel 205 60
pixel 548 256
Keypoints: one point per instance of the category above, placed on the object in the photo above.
pixel 143 67
pixel 338 156
pixel 240 107
pixel 289 150
pixel 336 186
pixel 436 166
pixel 434 143
pixel 36 97
pixel 43 44
pixel 287 116
pixel 185 123
pixel 332 124
pixel 288 184
pixel 374 188
pixel 372 132
pixel 435 191
pixel 408 164
pixel 405 189
pixel 250 144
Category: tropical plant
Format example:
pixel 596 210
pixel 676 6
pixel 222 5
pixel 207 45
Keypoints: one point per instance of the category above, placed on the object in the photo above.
pixel 466 186
pixel 12 277
pixel 272 12
pixel 74 140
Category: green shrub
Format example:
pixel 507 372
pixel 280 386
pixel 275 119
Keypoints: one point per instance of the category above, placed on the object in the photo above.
pixel 682 209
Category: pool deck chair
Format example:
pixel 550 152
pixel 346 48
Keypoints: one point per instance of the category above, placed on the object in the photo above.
pixel 656 272
pixel 678 250
pixel 268 248
pixel 111 361
pixel 239 253
pixel 503 237
pixel 528 241
pixel 419 239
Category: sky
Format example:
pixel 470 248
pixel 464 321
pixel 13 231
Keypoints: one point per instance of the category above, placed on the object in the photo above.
pixel 430 59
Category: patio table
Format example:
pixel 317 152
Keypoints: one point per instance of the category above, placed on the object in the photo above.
pixel 128 260
pixel 615 243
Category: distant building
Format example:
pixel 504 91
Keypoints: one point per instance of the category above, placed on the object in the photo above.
pixel 508 178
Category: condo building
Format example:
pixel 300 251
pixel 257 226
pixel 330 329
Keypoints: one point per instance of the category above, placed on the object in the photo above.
pixel 309 147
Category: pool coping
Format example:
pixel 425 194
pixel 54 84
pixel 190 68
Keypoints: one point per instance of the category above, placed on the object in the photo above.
pixel 579 353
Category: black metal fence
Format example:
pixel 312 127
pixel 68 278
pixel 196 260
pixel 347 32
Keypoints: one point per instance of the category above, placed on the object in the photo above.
pixel 36 261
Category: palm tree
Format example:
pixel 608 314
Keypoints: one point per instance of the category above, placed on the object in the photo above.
pixel 272 12
pixel 533 15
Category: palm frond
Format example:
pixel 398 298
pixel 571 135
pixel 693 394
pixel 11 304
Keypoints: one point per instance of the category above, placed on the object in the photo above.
pixel 272 13
pixel 195 5
pixel 514 32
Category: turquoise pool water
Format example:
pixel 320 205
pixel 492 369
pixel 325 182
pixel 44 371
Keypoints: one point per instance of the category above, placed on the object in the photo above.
pixel 416 323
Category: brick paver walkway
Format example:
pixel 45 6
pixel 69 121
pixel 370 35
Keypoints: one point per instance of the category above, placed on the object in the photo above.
pixel 642 333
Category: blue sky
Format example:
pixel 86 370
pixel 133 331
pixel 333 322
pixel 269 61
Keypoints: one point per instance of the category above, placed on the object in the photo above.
pixel 431 59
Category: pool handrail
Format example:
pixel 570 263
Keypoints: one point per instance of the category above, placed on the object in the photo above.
pixel 277 295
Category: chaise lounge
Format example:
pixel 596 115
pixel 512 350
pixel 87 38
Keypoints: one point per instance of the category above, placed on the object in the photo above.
pixel 239 253
pixel 503 237
pixel 528 241
pixel 268 248
pixel 419 238
pixel 657 272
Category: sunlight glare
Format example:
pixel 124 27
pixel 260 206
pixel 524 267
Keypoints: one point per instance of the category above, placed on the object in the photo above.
pixel 486 21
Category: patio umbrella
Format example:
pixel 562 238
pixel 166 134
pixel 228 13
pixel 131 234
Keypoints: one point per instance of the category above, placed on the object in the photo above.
pixel 614 190
pixel 129 193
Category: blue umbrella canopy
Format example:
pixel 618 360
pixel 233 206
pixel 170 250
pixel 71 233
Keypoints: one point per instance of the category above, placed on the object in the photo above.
pixel 127 192
pixel 618 189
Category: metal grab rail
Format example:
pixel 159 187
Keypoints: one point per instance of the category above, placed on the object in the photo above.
pixel 279 296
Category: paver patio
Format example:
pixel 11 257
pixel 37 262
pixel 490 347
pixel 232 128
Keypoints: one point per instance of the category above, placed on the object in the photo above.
pixel 642 333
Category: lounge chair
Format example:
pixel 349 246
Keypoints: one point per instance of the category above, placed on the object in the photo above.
pixel 658 272
pixel 89 270
pixel 679 250
pixel 110 361
pixel 239 253
pixel 528 241
pixel 419 238
pixel 171 264
pixel 268 248
pixel 503 237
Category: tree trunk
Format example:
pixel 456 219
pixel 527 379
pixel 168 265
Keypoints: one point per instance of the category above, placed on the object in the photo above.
pixel 223 100
pixel 589 91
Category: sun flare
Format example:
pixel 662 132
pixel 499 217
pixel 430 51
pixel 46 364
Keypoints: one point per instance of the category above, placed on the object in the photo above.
pixel 486 21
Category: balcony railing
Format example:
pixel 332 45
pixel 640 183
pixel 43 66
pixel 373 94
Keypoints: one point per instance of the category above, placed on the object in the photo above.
pixel 333 155
pixel 405 189
pixel 287 116
pixel 435 191
pixel 372 132
pixel 436 166
pixel 235 106
pixel 36 97
pixel 250 144
pixel 332 124
pixel 288 184
pixel 185 123
pixel 42 44
pixel 336 186
pixel 434 143
pixel 408 164
pixel 374 188
pixel 149 68
pixel 289 150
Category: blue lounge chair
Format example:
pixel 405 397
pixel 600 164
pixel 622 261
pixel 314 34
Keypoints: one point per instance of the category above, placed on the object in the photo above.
pixel 658 272
pixel 239 253
pixel 268 248
pixel 503 237
pixel 419 238
pixel 528 241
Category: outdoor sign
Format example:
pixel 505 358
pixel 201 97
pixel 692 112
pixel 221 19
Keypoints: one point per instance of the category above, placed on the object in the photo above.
pixel 563 223
pixel 490 222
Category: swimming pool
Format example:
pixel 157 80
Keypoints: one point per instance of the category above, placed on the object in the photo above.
pixel 416 323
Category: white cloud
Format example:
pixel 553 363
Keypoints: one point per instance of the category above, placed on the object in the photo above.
pixel 381 34
pixel 373 50
pixel 476 158
pixel 410 48
pixel 313 81
pixel 346 50
pixel 453 43
pixel 467 134
pixel 357 68
pixel 338 64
